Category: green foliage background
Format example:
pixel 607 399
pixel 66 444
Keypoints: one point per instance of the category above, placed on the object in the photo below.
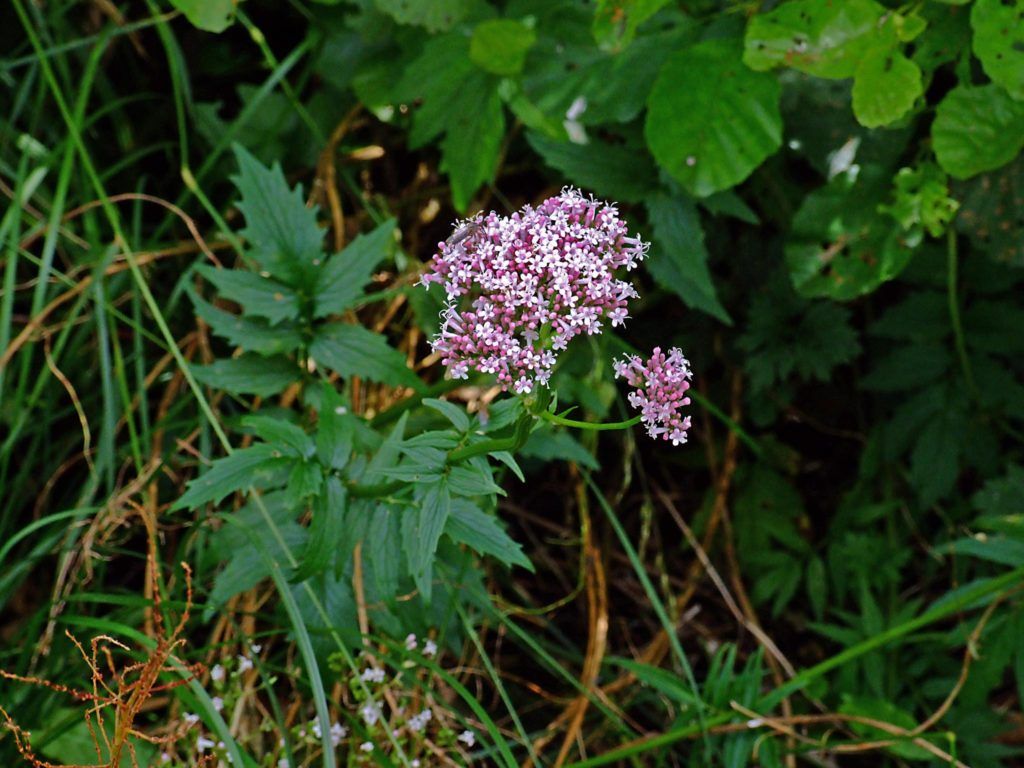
pixel 208 205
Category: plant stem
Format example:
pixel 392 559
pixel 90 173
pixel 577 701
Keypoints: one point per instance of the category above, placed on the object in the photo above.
pixel 593 426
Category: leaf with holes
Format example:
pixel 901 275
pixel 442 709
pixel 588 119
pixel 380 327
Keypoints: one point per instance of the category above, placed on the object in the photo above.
pixel 885 87
pixel 999 42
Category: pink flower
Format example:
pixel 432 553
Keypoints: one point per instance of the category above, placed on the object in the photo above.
pixel 520 287
pixel 659 393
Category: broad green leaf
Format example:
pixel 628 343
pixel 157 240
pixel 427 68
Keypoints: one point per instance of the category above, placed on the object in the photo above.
pixel 468 525
pixel 999 42
pixel 908 368
pixel 432 15
pixel 325 531
pixel 352 350
pixel 546 444
pixel 334 430
pixel 258 296
pixel 342 278
pixel 678 260
pixel 977 129
pixel 281 230
pixel 819 37
pixel 711 139
pixel 249 374
pixel 251 334
pixel 473 479
pixel 244 468
pixel 885 87
pixel 935 458
pixel 499 46
pixel 616 21
pixel 623 174
pixel 306 479
pixel 383 548
pixel 840 246
pixel 208 15
pixel 422 526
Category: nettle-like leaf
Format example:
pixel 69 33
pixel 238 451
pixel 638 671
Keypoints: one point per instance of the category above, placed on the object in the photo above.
pixel 999 42
pixel 679 259
pixel 461 102
pixel 620 172
pixel 468 524
pixel 790 336
pixel 261 465
pixel 282 231
pixel 352 350
pixel 710 139
pixel 819 37
pixel 257 295
pixel 251 334
pixel 840 246
pixel 335 430
pixel 344 275
pixel 977 129
pixel 499 46
pixel 249 374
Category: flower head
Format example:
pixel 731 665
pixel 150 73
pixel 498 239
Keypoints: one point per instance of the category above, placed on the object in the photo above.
pixel 659 392
pixel 520 287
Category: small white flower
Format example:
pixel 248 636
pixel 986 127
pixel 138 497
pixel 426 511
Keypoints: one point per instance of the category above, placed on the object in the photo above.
pixel 467 738
pixel 255 648
pixel 218 703
pixel 217 673
pixel 415 763
pixel 244 664
pixel 164 757
pixel 410 642
pixel 370 713
pixel 204 744
pixel 429 648
pixel 338 732
pixel 283 763
pixel 366 746
pixel 372 675
pixel 191 719
pixel 316 729
pixel 419 722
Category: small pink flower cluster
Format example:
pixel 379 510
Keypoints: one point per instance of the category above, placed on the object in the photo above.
pixel 520 287
pixel 660 386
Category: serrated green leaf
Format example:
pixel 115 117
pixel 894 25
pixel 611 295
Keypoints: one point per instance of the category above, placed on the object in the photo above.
pixel 455 414
pixel 711 139
pixel 352 350
pixel 258 296
pixel 281 230
pixel 977 129
pixel 422 526
pixel 885 87
pixel 271 429
pixel 621 173
pixel 326 530
pixel 240 470
pixel 208 15
pixel 469 525
pixel 819 37
pixel 249 374
pixel 678 258
pixel 499 46
pixel 472 143
pixel 250 334
pixel 344 275
pixel 935 458
pixel 434 16
pixel 840 246
pixel 383 549
pixel 999 42
pixel 335 429
pixel 473 479
pixel 908 368
pixel 547 444
pixel 922 200
pixel 306 480
pixel 616 21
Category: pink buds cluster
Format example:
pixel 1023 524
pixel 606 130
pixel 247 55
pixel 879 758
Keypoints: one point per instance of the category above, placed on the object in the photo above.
pixel 520 287
pixel 659 392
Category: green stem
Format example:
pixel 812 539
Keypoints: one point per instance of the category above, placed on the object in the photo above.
pixel 512 444
pixel 592 426
pixel 954 312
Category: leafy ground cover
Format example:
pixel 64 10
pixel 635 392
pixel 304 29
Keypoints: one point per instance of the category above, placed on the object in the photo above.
pixel 306 458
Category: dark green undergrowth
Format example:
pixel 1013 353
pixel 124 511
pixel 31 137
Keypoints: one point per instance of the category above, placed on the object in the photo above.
pixel 246 518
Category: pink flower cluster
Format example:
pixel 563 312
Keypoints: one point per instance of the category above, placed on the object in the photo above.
pixel 520 287
pixel 660 386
